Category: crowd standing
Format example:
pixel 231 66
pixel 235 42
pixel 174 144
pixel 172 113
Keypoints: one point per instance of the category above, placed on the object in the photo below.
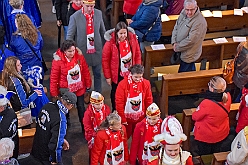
pixel 118 53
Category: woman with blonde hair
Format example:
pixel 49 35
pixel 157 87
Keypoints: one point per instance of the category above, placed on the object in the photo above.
pixel 27 43
pixel 211 117
pixel 13 80
pixel 110 146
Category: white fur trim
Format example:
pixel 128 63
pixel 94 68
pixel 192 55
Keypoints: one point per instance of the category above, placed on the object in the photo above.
pixel 107 35
pixel 56 57
pixel 246 100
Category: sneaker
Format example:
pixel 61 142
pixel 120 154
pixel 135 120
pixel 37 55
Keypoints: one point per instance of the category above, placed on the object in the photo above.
pixel 53 10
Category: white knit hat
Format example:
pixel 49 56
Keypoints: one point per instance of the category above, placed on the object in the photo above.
pixel 96 97
pixel 5 95
pixel 171 131
pixel 153 110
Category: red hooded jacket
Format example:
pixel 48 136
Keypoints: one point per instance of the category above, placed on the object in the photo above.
pixel 59 71
pixel 111 57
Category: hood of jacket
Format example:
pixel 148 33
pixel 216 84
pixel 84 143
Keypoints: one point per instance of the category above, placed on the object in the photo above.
pixel 59 55
pixel 195 15
pixel 156 3
pixel 111 33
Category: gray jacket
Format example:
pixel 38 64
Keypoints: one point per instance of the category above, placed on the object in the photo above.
pixel 189 34
pixel 77 31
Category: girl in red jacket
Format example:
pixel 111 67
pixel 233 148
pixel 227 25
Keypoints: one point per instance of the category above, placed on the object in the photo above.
pixel 94 115
pixel 171 137
pixel 120 52
pixel 133 96
pixel 211 118
pixel 243 110
pixel 70 72
pixel 110 146
pixel 143 147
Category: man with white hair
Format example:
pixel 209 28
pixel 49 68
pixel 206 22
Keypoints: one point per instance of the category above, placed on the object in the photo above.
pixel 188 34
pixel 8 119
pixel 6 147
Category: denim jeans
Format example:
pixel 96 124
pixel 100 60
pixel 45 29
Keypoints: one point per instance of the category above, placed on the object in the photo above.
pixel 144 44
pixel 97 77
pixel 65 31
pixel 186 67
pixel 81 109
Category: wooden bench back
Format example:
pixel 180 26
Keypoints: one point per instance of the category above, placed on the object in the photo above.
pixel 188 123
pixel 214 53
pixel 26 140
pixel 229 21
pixel 185 83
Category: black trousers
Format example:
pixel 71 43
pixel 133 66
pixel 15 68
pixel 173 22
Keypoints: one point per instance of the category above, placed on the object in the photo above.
pixel 113 90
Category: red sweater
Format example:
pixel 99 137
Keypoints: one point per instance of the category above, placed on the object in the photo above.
pixel 211 121
pixel 59 71
pixel 111 57
pixel 88 121
pixel 100 145
pixel 131 6
pixel 137 145
pixel 121 98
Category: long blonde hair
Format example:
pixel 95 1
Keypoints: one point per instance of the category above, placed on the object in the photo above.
pixel 9 69
pixel 26 28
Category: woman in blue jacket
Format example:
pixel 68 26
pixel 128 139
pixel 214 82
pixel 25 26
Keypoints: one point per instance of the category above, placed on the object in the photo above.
pixel 27 43
pixel 148 17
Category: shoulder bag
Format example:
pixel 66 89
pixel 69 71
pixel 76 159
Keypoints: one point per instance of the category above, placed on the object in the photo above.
pixel 42 60
pixel 228 70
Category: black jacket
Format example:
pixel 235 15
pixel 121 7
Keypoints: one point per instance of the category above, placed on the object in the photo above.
pixel 61 7
pixel 70 12
pixel 50 133
pixel 8 127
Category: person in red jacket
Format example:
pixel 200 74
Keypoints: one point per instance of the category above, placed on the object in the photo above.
pixel 120 52
pixel 70 72
pixel 110 146
pixel 143 148
pixel 243 110
pixel 133 96
pixel 211 118
pixel 95 114
pixel 130 7
pixel 171 137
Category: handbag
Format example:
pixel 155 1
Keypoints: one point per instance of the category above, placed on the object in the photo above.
pixel 175 58
pixel 24 117
pixel 228 70
pixel 43 63
pixel 141 36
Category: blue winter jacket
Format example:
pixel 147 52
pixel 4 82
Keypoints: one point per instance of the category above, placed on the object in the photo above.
pixel 144 18
pixel 24 53
pixel 11 22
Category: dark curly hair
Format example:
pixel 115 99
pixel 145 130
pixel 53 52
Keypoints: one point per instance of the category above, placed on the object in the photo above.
pixel 67 44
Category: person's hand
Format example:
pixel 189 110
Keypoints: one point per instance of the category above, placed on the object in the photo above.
pixel 59 22
pixel 109 81
pixel 125 123
pixel 66 145
pixel 39 92
pixel 129 21
pixel 54 163
pixel 174 46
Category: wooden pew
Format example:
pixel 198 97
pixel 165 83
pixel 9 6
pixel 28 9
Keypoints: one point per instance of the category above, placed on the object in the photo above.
pixel 210 3
pixel 214 53
pixel 219 158
pixel 188 123
pixel 26 140
pixel 116 11
pixel 185 83
pixel 227 22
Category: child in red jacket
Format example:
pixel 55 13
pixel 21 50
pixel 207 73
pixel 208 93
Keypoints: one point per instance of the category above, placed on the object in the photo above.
pixel 143 147
pixel 171 137
pixel 94 115
pixel 110 145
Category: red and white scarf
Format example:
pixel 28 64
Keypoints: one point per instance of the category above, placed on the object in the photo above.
pixel 90 32
pixel 75 7
pixel 115 149
pixel 126 57
pixel 151 149
pixel 134 103
pixel 99 116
